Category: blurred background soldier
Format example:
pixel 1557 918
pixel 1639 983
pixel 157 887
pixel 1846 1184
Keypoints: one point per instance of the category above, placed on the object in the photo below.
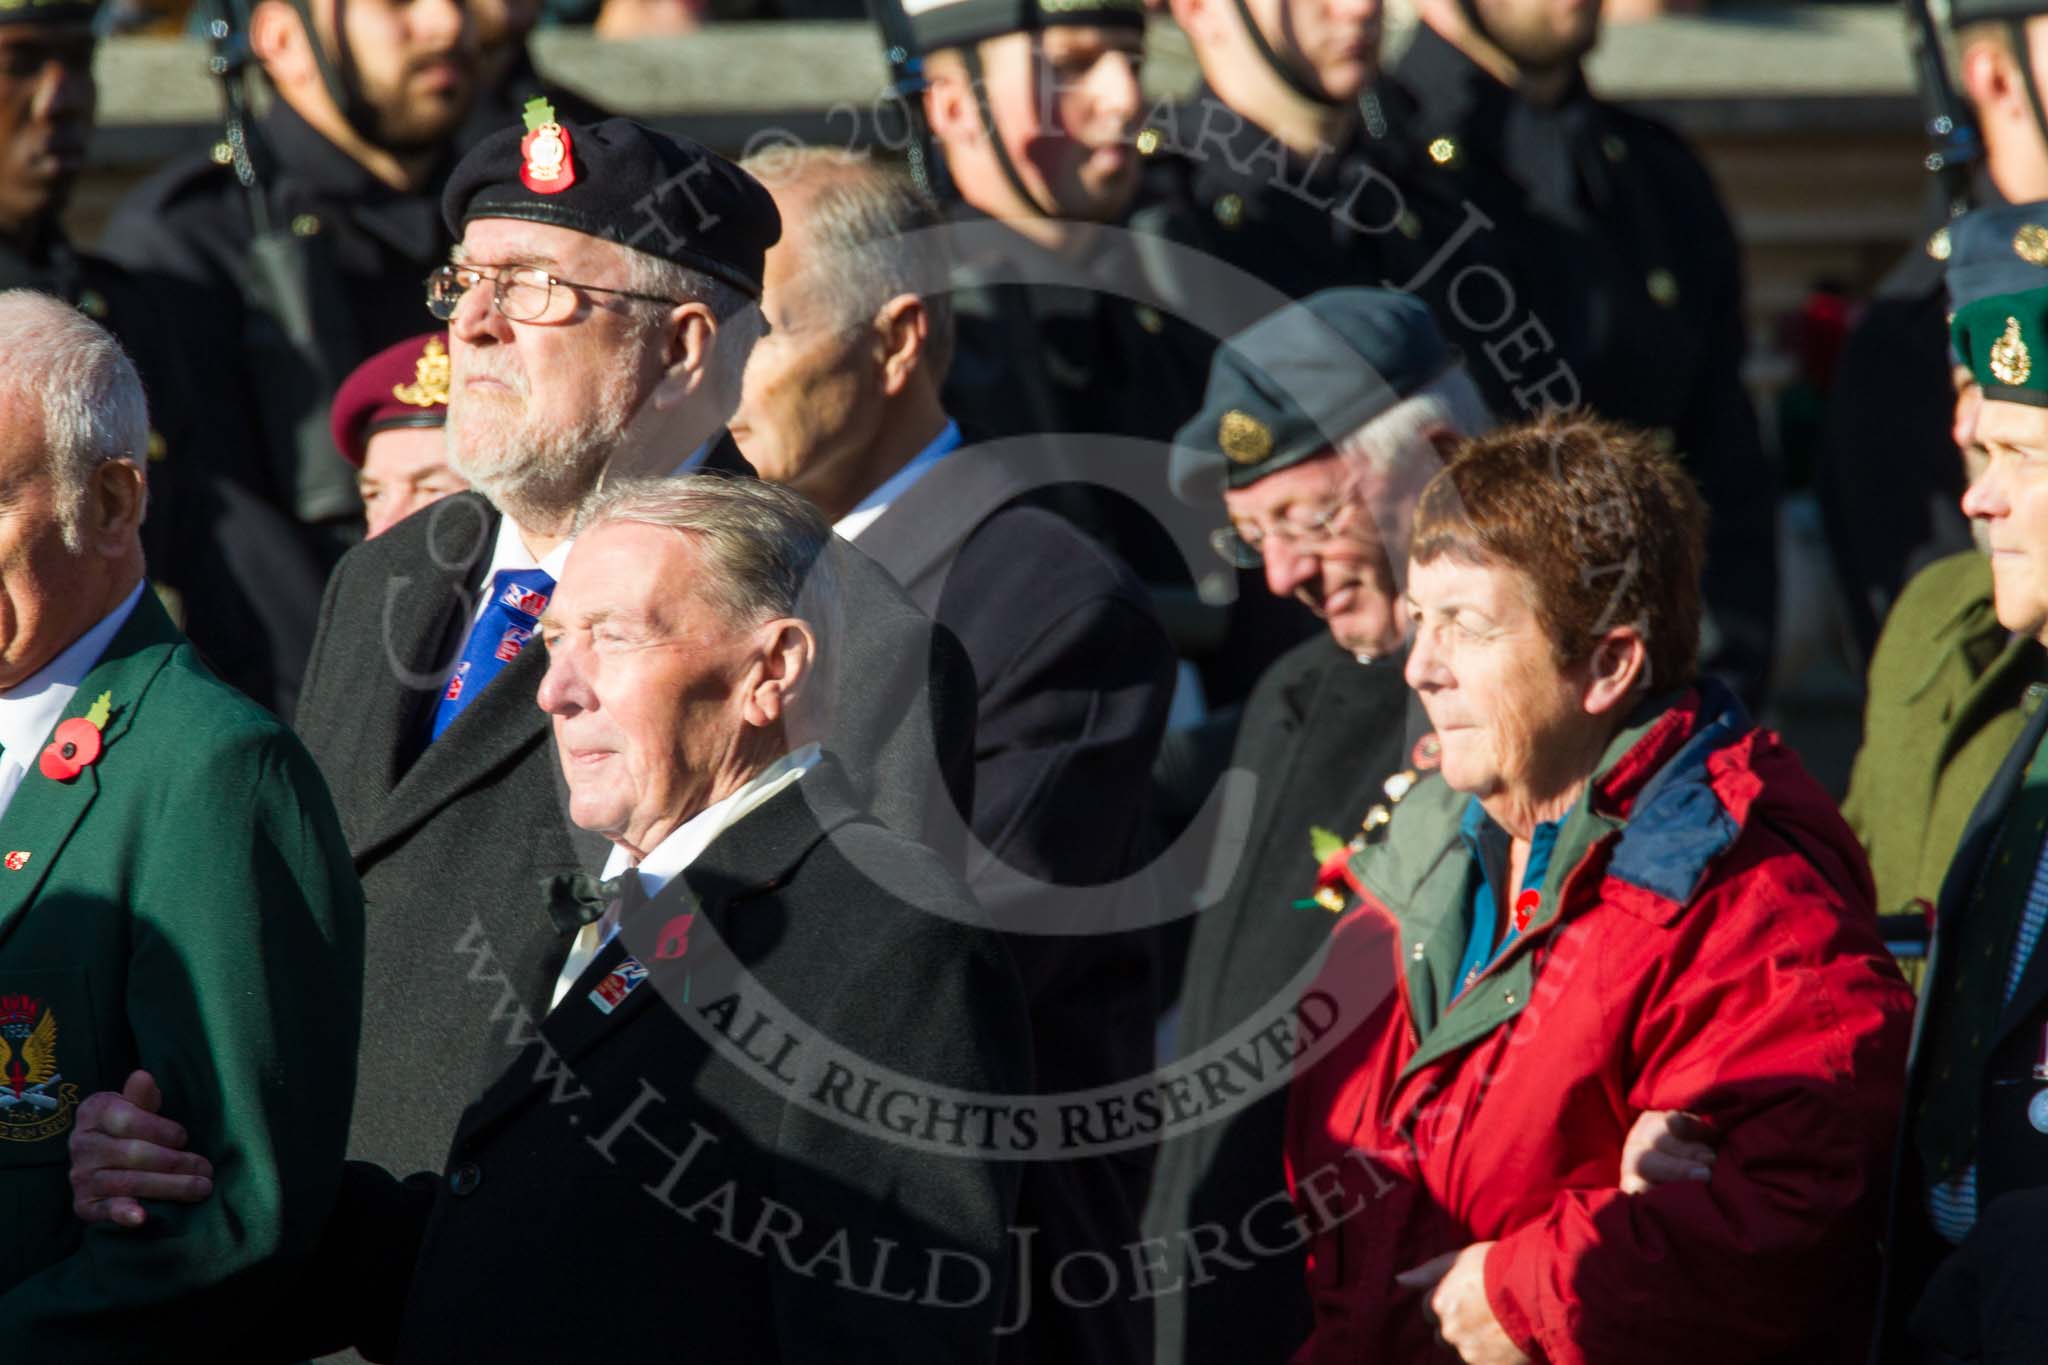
pixel 1948 683
pixel 1887 478
pixel 1360 402
pixel 293 281
pixel 506 77
pixel 388 421
pixel 47 101
pixel 1611 234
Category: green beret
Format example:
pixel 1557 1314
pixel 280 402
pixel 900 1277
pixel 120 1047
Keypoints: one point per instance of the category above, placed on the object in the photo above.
pixel 1292 385
pixel 2004 341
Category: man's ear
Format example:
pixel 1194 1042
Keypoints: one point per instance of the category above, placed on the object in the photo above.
pixel 788 651
pixel 690 333
pixel 1618 667
pixel 1990 79
pixel 901 329
pixel 949 105
pixel 278 39
pixel 116 499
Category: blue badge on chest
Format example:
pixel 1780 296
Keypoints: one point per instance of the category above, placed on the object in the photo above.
pixel 616 987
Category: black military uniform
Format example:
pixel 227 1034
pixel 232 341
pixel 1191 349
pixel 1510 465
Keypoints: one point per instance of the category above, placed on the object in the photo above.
pixel 1619 263
pixel 363 250
pixel 1321 735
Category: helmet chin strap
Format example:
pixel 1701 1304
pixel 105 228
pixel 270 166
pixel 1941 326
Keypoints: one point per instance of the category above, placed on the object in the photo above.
pixel 978 82
pixel 348 100
pixel 1289 75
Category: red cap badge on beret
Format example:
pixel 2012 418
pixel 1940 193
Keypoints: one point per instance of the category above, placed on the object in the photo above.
pixel 549 167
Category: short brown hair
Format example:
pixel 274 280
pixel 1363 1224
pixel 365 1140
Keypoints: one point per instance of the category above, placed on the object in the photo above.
pixel 1606 527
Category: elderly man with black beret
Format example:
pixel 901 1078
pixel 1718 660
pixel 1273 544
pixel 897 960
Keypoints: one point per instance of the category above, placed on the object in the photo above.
pixel 600 313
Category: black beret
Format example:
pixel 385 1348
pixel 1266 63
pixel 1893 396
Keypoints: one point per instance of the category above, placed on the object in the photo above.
pixel 1293 384
pixel 1961 12
pixel 622 181
pixel 936 24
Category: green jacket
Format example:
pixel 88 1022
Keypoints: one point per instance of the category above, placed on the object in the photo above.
pixel 1946 687
pixel 185 904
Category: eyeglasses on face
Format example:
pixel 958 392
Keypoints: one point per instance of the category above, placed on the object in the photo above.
pixel 1246 549
pixel 522 293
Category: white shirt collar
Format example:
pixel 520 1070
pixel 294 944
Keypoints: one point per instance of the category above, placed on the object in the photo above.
pixel 673 855
pixel 896 485
pixel 30 710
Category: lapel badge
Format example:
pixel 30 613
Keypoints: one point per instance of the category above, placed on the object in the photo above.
pixel 615 988
pixel 1243 438
pixel 1526 905
pixel 429 387
pixel 549 166
pixel 1428 752
pixel 76 744
pixel 17 860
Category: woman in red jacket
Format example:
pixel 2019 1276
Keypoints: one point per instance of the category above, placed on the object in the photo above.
pixel 1614 896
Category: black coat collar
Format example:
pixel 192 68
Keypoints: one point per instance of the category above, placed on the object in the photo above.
pixel 409 222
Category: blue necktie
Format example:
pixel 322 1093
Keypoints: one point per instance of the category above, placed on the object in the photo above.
pixel 518 597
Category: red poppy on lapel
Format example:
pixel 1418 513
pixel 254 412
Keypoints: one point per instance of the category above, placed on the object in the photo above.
pixel 76 745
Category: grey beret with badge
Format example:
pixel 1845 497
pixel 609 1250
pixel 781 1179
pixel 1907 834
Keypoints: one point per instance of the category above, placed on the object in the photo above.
pixel 1293 384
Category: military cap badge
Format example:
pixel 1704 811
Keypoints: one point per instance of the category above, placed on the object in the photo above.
pixel 429 387
pixel 1243 438
pixel 2030 244
pixel 549 166
pixel 2011 363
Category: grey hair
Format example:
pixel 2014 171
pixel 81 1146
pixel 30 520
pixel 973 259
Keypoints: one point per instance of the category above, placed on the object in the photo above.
pixel 740 323
pixel 86 388
pixel 764 546
pixel 873 236
pixel 1450 402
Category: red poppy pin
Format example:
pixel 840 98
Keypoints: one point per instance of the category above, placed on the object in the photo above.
pixel 675 938
pixel 17 860
pixel 76 745
pixel 1525 907
pixel 548 164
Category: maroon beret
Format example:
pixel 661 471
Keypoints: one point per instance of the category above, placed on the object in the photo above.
pixel 401 386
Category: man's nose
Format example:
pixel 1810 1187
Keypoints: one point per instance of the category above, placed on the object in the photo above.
pixel 64 90
pixel 1117 91
pixel 1985 497
pixel 476 318
pixel 1423 669
pixel 1287 568
pixel 563 689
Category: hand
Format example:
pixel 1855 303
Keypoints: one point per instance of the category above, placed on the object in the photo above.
pixel 1464 1318
pixel 1665 1145
pixel 122 1152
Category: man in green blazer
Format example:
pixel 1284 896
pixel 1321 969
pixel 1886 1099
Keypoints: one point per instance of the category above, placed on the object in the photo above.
pixel 175 895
